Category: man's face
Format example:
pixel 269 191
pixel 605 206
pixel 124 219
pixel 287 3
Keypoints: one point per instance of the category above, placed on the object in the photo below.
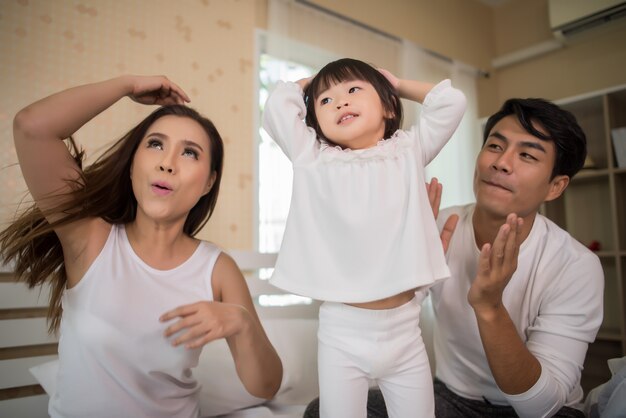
pixel 513 171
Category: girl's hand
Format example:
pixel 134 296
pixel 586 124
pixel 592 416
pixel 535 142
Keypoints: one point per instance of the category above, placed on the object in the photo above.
pixel 304 82
pixel 156 90
pixel 203 322
pixel 395 81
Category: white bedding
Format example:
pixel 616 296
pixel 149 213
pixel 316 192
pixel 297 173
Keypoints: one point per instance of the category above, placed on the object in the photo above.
pixel 222 394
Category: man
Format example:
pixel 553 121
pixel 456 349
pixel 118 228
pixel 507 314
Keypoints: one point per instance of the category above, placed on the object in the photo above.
pixel 524 300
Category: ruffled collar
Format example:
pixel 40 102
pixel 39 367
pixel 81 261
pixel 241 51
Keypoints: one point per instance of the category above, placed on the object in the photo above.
pixel 384 149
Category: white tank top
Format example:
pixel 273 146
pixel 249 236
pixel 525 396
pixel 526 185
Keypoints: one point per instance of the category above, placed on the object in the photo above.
pixel 113 358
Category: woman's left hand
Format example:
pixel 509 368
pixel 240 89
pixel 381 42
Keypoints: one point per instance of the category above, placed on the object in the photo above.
pixel 203 322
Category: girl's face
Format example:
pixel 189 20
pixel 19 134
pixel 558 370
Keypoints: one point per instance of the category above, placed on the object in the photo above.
pixel 351 114
pixel 171 169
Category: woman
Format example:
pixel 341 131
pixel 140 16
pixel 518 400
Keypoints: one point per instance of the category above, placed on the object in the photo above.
pixel 134 295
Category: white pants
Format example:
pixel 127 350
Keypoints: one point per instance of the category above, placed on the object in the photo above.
pixel 356 346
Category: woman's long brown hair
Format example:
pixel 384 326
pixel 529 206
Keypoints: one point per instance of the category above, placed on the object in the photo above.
pixel 103 190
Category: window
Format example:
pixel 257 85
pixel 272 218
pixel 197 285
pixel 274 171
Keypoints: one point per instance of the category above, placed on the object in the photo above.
pixel 275 172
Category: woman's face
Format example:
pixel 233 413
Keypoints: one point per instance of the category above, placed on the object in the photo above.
pixel 171 169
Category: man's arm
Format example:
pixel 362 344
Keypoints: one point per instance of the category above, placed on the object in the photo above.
pixel 540 374
pixel 514 368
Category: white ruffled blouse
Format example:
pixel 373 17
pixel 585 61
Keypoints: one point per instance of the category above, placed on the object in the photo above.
pixel 360 227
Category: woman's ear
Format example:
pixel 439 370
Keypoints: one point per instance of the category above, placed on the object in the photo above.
pixel 210 183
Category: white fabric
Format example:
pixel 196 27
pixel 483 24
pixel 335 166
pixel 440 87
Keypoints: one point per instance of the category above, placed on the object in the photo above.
pixel 554 298
pixel 358 345
pixel 222 392
pixel 114 360
pixel 360 227
pixel 295 342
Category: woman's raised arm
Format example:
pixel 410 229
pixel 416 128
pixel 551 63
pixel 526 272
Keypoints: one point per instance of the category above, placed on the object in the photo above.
pixel 39 129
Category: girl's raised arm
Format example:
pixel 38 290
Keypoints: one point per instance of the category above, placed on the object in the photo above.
pixel 408 89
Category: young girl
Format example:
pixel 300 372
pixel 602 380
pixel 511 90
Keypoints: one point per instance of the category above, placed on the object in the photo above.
pixel 115 243
pixel 360 234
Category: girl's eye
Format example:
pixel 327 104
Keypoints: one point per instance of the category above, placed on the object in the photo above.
pixel 324 101
pixel 189 152
pixel 354 89
pixel 155 143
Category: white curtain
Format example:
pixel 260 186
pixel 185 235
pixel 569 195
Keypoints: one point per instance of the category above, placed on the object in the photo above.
pixel 454 166
pixel 303 34
pixel 311 37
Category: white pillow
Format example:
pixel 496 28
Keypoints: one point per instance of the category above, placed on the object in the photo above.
pixel 221 390
pixel 46 375
pixel 295 340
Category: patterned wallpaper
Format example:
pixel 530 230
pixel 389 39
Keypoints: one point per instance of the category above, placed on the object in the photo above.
pixel 206 46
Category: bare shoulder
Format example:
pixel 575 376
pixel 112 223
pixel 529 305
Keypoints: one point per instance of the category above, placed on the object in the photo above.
pixel 82 242
pixel 228 282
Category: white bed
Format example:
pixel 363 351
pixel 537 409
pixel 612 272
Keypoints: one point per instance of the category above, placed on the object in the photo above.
pixel 291 329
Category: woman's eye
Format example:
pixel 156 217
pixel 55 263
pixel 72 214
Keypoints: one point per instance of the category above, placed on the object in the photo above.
pixel 354 89
pixel 324 101
pixel 188 152
pixel 155 143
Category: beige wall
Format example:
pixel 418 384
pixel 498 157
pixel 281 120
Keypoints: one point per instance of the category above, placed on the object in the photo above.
pixel 205 46
pixel 474 33
pixel 589 62
pixel 455 28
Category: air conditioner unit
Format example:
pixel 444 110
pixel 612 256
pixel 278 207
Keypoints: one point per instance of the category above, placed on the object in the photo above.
pixel 571 17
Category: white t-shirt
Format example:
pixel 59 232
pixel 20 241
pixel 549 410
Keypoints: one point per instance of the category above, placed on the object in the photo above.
pixel 113 358
pixel 360 227
pixel 554 298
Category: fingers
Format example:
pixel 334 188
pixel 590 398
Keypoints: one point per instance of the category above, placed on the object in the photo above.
pixel 304 82
pixel 170 93
pixel 194 337
pixel 180 311
pixel 158 90
pixel 499 245
pixel 484 262
pixel 390 77
pixel 180 93
pixel 448 230
pixel 183 323
pixel 506 248
pixel 434 190
pixel 510 247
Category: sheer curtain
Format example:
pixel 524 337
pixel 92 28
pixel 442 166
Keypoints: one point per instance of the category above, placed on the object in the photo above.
pixel 309 37
pixel 325 37
pixel 454 166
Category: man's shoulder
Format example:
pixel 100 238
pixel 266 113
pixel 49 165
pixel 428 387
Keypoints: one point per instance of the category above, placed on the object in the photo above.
pixel 558 244
pixel 461 210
